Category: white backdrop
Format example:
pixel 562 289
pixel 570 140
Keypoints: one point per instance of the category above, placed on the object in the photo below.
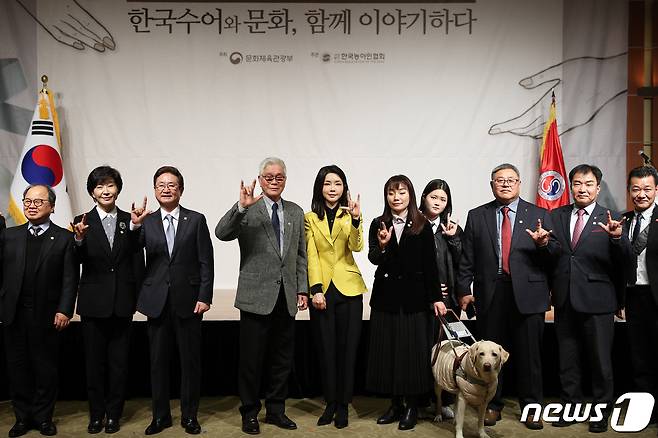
pixel 424 110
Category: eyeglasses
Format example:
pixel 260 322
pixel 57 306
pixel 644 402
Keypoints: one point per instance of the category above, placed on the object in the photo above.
pixel 162 186
pixel 505 181
pixel 271 178
pixel 37 202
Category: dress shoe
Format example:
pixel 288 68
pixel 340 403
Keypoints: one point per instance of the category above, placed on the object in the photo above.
pixel 95 425
pixel 280 420
pixel 598 426
pixel 112 425
pixel 47 428
pixel 328 414
pixel 19 428
pixel 393 414
pixel 191 425
pixel 409 419
pixel 562 423
pixel 250 425
pixel 158 425
pixel 491 417
pixel 533 425
pixel 340 420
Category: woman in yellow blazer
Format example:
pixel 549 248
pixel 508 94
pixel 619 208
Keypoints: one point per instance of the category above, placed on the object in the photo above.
pixel 333 231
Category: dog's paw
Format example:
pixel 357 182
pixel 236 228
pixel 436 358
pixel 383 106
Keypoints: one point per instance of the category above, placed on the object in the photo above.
pixel 483 434
pixel 447 412
pixel 438 419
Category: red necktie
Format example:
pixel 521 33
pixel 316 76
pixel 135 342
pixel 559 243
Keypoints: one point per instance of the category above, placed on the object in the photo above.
pixel 506 239
pixel 578 229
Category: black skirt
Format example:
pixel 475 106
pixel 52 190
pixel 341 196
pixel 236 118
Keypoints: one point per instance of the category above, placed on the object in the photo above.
pixel 399 353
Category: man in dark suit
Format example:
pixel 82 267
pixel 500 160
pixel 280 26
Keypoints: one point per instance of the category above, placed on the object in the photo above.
pixel 272 286
pixel 111 270
pixel 641 306
pixel 588 288
pixel 176 291
pixel 39 283
pixel 506 254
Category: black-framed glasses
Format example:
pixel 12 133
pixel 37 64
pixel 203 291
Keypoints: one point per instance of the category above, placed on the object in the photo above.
pixel 272 178
pixel 37 202
pixel 505 181
pixel 162 186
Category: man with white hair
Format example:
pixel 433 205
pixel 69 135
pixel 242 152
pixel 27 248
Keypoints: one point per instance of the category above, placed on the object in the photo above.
pixel 272 286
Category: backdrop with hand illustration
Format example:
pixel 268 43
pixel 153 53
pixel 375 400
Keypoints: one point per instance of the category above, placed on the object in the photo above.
pixel 430 90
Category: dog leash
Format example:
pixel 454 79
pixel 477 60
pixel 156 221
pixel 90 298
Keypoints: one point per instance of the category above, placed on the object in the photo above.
pixel 454 337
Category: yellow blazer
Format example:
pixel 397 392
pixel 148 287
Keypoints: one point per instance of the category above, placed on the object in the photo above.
pixel 330 255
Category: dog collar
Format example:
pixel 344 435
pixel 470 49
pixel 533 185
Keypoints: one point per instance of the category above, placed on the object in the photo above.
pixel 470 379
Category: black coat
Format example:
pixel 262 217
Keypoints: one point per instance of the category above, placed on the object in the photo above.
pixel 110 277
pixel 530 265
pixel 448 254
pixel 406 277
pixel 56 279
pixel 651 254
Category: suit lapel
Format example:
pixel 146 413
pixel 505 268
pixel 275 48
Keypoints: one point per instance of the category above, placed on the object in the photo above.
pixel 592 221
pixel 267 225
pixel 181 230
pixel 46 246
pixel 521 222
pixel 287 228
pixel 96 227
pixel 323 227
pixel 156 217
pixel 119 232
pixel 490 221
pixel 21 249
pixel 565 219
pixel 339 223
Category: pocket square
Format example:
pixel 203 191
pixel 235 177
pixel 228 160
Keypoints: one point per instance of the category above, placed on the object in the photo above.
pixel 598 230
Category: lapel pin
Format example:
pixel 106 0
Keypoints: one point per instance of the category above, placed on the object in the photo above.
pixel 184 218
pixel 520 222
pixel 122 225
pixel 121 231
pixel 52 237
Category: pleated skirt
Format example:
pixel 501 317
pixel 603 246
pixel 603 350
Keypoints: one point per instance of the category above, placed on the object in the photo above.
pixel 399 353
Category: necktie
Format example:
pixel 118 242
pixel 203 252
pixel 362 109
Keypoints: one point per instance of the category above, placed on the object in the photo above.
pixel 636 228
pixel 578 229
pixel 170 233
pixel 505 239
pixel 109 226
pixel 276 224
pixel 36 231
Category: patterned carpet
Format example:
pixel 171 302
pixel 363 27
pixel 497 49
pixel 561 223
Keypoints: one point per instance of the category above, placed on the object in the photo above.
pixel 220 418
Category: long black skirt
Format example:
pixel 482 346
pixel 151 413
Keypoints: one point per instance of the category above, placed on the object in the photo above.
pixel 399 353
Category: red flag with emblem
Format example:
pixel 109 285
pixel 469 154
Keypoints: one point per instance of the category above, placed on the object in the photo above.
pixel 552 189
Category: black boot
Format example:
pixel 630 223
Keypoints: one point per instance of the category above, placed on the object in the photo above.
pixel 394 412
pixel 328 414
pixel 409 418
pixel 340 421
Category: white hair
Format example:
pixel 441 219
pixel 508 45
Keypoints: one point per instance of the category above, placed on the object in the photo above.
pixel 269 161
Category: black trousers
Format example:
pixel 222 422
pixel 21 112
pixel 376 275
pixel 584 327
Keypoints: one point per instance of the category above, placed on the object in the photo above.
pixel 338 329
pixel 584 337
pixel 31 349
pixel 521 335
pixel 267 344
pixel 642 326
pixel 107 344
pixel 165 333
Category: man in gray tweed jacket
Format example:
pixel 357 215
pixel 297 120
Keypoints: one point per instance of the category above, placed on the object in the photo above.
pixel 272 286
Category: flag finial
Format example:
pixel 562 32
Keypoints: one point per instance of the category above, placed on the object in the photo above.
pixel 44 83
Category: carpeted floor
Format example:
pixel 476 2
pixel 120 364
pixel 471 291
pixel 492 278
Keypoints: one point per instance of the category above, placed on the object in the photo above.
pixel 220 418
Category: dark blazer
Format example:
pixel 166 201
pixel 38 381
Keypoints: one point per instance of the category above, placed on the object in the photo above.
pixel 262 266
pixel 56 272
pixel 529 265
pixel 110 277
pixel 651 254
pixel 406 277
pixel 448 254
pixel 187 276
pixel 593 275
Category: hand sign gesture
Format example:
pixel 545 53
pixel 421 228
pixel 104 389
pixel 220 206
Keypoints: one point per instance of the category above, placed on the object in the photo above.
pixel 80 229
pixel 354 206
pixel 450 229
pixel 137 215
pixel 384 235
pixel 613 227
pixel 247 198
pixel 540 236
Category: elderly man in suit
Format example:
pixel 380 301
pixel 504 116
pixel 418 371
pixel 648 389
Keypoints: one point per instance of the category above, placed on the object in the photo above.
pixel 176 292
pixel 506 252
pixel 272 286
pixel 641 227
pixel 588 288
pixel 39 283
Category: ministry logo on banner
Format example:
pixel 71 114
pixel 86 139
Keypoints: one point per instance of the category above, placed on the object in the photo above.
pixel 41 163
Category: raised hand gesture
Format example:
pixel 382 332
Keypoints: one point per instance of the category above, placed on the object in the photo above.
pixel 613 227
pixel 354 207
pixel 450 229
pixel 384 235
pixel 80 229
pixel 247 198
pixel 137 215
pixel 540 236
